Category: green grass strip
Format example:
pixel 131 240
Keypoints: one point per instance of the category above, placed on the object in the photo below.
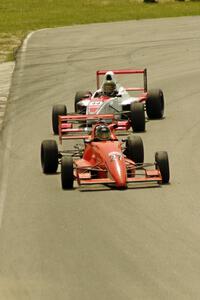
pixel 18 17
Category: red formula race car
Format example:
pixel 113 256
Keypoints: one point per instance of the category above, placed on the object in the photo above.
pixel 128 103
pixel 102 159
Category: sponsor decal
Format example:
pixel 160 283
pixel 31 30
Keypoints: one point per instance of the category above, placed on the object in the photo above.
pixel 95 102
pixel 93 106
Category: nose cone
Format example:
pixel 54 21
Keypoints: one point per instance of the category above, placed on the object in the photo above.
pixel 110 153
pixel 118 172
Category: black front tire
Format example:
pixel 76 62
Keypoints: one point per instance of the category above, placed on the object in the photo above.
pixel 67 172
pixel 162 163
pixel 137 117
pixel 80 95
pixel 57 110
pixel 135 149
pixel 49 156
pixel 155 104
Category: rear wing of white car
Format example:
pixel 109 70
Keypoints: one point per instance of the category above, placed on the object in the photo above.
pixel 125 72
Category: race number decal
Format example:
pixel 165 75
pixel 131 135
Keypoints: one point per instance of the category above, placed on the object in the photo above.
pixel 115 155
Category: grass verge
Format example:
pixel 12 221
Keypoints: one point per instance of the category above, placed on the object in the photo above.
pixel 18 17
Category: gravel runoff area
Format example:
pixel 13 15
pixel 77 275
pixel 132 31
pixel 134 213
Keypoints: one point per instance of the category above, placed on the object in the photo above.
pixel 6 70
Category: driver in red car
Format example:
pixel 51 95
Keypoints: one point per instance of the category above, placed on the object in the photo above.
pixel 102 133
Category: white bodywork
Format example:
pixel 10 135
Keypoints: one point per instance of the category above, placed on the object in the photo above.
pixel 98 105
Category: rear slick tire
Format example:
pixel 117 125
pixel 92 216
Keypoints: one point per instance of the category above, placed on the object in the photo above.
pixel 155 104
pixel 135 149
pixel 57 110
pixel 49 156
pixel 80 95
pixel 162 163
pixel 137 117
pixel 67 172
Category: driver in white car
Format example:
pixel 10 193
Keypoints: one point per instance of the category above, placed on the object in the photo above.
pixel 110 87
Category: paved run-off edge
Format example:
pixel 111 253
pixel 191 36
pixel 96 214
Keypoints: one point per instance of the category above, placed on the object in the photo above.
pixel 6 70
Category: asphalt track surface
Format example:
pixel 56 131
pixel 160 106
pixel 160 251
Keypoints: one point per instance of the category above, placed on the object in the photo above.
pixel 141 243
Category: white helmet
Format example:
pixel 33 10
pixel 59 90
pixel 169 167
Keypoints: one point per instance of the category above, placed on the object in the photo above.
pixel 110 76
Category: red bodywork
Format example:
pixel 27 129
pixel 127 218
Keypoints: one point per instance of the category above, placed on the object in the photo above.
pixel 103 161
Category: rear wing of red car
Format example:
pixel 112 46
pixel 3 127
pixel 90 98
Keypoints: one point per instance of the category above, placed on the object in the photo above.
pixel 79 126
pixel 125 72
